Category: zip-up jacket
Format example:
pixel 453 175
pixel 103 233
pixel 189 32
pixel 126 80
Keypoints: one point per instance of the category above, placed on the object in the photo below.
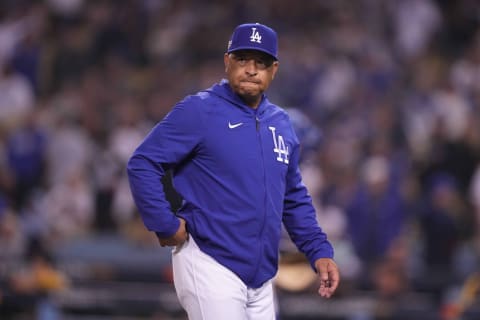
pixel 236 169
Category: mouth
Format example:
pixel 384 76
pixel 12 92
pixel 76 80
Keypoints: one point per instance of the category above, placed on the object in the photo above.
pixel 250 81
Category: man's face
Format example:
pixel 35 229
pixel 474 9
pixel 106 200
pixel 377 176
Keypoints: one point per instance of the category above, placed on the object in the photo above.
pixel 250 73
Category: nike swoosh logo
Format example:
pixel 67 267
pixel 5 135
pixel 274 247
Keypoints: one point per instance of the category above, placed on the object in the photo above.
pixel 233 126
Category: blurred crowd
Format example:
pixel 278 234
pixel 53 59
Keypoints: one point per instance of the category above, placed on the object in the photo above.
pixel 385 96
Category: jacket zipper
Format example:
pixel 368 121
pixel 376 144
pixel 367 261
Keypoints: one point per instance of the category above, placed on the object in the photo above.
pixel 260 235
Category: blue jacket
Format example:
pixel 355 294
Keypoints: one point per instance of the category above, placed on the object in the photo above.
pixel 237 171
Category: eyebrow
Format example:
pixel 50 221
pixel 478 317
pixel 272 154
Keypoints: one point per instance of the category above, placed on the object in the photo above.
pixel 256 56
pixel 252 54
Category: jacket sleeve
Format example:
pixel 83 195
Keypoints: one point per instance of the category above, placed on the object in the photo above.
pixel 300 218
pixel 168 143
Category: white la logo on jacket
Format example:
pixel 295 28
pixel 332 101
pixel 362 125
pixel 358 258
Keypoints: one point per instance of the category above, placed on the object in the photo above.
pixel 281 149
pixel 255 37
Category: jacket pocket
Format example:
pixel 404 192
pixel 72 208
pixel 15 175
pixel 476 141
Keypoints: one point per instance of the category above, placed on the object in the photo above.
pixel 178 248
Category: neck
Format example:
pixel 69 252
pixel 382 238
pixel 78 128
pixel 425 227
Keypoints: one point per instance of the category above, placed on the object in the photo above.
pixel 251 101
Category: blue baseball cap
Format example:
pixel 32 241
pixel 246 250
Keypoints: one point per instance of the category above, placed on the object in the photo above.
pixel 254 36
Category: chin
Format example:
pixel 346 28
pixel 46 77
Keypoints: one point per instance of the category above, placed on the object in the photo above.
pixel 249 94
pixel 250 90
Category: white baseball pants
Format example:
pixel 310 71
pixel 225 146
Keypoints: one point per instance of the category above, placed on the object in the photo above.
pixel 209 291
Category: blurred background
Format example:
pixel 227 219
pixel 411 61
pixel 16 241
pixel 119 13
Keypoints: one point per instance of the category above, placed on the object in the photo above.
pixel 385 98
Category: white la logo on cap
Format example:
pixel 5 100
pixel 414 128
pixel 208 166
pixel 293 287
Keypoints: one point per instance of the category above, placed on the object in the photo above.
pixel 255 37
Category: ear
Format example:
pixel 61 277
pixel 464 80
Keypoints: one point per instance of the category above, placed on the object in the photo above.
pixel 226 61
pixel 275 69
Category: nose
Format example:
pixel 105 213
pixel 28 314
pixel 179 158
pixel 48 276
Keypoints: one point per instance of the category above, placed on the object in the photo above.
pixel 251 67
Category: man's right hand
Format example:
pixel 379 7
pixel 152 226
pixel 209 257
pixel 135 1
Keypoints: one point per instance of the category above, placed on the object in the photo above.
pixel 178 238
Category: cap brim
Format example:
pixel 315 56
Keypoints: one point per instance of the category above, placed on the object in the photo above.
pixel 252 48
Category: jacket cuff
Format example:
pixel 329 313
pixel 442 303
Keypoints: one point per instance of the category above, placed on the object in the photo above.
pixel 172 229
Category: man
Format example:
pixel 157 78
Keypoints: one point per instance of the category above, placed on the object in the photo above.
pixel 234 157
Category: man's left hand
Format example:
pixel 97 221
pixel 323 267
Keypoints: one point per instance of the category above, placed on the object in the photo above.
pixel 329 276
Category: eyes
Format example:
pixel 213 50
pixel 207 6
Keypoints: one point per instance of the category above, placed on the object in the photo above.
pixel 261 63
